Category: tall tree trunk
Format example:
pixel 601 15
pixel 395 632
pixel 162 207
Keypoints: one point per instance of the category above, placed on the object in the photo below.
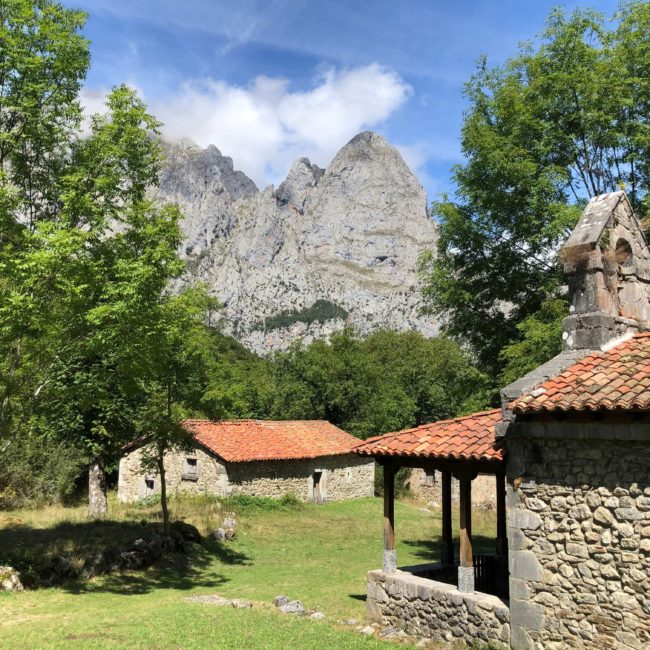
pixel 97 493
pixel 163 490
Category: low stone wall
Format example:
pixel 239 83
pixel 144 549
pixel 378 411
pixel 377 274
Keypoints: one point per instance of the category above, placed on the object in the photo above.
pixel 435 610
pixel 343 477
pixel 578 502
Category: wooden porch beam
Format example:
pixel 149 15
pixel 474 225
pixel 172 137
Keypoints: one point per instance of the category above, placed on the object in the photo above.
pixel 456 467
pixel 390 555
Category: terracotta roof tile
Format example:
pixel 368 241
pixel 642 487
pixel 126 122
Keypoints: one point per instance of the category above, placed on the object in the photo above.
pixel 616 379
pixel 466 438
pixel 249 440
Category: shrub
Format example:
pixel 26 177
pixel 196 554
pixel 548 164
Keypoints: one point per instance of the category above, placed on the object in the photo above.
pixel 37 471
pixel 290 499
pixel 248 502
pixel 148 501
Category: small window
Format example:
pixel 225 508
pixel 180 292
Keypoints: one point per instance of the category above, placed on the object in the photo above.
pixel 623 252
pixel 149 483
pixel 190 469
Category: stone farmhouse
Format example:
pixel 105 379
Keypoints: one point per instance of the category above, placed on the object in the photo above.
pixel 310 459
pixel 570 452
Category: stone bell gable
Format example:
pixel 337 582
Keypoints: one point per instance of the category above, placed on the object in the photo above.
pixel 577 438
pixel 607 266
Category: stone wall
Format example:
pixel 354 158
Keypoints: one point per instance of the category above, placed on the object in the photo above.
pixel 435 610
pixel 343 477
pixel 429 486
pixel 578 500
pixel 212 477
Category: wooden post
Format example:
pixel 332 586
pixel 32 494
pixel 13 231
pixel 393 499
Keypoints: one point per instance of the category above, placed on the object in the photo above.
pixel 502 537
pixel 447 551
pixel 466 568
pixel 390 556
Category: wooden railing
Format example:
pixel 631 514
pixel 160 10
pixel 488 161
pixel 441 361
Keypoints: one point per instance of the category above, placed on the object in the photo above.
pixel 491 575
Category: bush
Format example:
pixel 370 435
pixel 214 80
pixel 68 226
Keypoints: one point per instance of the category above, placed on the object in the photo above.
pixel 37 471
pixel 290 499
pixel 248 502
pixel 148 501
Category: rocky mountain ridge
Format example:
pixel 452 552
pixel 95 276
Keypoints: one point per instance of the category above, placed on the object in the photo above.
pixel 328 248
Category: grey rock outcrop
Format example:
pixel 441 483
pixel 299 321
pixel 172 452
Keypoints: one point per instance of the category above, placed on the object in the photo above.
pixel 346 239
pixel 10 579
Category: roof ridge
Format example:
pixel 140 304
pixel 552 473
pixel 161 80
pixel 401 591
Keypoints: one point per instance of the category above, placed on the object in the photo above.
pixel 256 421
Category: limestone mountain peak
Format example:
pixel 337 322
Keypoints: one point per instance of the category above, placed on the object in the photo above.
pixel 328 248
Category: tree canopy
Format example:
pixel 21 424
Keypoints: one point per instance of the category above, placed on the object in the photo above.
pixel 385 382
pixel 562 121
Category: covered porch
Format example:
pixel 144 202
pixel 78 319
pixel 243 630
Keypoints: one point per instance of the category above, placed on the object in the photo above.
pixel 463 591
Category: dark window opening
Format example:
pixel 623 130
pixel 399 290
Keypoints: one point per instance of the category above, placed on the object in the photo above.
pixel 149 483
pixel 623 253
pixel 190 470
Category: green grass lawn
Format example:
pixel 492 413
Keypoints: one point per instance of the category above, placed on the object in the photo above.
pixel 318 554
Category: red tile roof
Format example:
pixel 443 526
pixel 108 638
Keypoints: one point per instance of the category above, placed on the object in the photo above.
pixel 616 379
pixel 466 438
pixel 248 440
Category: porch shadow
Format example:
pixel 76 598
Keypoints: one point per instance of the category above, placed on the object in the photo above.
pixel 429 549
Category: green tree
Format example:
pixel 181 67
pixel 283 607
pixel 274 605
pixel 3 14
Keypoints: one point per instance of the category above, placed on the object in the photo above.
pixel 122 252
pixel 43 62
pixel 385 382
pixel 541 334
pixel 175 379
pixel 564 120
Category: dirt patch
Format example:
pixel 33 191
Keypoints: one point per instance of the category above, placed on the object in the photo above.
pixel 26 619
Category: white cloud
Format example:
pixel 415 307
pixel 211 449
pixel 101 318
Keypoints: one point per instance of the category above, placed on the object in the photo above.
pixel 265 125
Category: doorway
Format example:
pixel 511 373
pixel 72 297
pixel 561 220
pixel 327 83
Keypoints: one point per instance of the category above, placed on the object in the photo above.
pixel 319 496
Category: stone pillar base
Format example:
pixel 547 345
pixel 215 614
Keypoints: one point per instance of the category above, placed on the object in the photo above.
pixel 466 579
pixel 390 561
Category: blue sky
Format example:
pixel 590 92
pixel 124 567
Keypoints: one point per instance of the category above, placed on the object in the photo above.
pixel 268 82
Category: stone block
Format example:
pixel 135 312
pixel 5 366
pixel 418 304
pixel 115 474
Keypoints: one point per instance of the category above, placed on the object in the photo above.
pixel 519 638
pixel 626 514
pixel 577 550
pixel 624 601
pixel 527 615
pixel 390 561
pixel 516 539
pixel 424 592
pixel 376 592
pixel 525 566
pixel 466 579
pixel 643 503
pixel 535 504
pixel 580 512
pixel 524 519
pixel 603 516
